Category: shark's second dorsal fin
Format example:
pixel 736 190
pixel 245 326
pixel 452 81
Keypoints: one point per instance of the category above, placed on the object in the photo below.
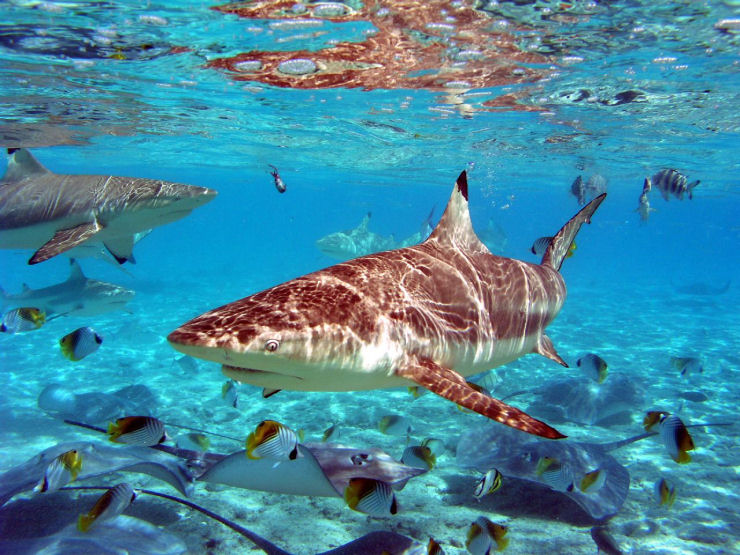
pixel 560 243
pixel 75 270
pixel 22 164
pixel 455 226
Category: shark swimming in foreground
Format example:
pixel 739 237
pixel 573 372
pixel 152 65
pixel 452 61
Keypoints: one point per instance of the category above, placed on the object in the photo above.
pixel 430 314
pixel 52 213
pixel 78 295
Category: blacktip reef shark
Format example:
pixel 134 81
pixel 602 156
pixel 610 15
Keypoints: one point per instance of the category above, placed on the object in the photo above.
pixel 53 213
pixel 429 315
pixel 78 295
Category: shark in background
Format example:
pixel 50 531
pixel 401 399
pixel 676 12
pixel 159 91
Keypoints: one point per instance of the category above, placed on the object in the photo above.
pixel 53 213
pixel 78 295
pixel 426 315
pixel 359 241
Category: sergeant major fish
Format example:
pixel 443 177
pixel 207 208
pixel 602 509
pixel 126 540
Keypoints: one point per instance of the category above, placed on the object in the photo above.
pixel 671 182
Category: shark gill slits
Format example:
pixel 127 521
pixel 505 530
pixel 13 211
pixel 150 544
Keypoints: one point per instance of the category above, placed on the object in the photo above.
pixel 272 345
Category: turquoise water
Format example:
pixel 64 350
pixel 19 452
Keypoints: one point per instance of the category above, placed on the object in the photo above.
pixel 131 89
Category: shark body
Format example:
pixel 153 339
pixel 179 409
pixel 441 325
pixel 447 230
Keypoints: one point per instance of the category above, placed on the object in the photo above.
pixel 429 314
pixel 78 296
pixel 360 241
pixel 53 213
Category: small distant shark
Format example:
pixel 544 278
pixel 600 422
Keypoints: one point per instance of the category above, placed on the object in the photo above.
pixel 78 296
pixel 360 241
pixel 425 315
pixel 700 288
pixel 53 213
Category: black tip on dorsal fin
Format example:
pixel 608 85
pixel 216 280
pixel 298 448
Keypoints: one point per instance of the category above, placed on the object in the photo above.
pixel 12 150
pixel 462 184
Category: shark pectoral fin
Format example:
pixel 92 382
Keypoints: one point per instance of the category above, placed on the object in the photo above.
pixel 269 392
pixel 122 249
pixel 449 384
pixel 547 349
pixel 65 239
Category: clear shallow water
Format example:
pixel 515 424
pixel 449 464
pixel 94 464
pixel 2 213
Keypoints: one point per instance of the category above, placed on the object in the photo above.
pixel 124 89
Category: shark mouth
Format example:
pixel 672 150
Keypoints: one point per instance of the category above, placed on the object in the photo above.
pixel 263 378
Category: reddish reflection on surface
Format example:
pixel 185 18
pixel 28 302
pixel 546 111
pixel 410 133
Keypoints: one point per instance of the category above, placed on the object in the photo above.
pixel 419 44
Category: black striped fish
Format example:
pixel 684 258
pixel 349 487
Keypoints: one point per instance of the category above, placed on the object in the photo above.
pixel 671 182
pixel 144 431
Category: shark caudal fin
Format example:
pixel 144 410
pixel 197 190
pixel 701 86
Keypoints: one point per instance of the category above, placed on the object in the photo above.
pixel 560 244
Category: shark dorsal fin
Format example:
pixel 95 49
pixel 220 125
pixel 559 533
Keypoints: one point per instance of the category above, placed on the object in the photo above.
pixel 365 222
pixel 21 165
pixel 75 270
pixel 455 227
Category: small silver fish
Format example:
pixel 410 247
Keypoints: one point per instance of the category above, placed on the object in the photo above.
pixel 22 319
pixel 643 204
pixel 80 343
pixel 111 504
pixel 279 185
pixel 671 182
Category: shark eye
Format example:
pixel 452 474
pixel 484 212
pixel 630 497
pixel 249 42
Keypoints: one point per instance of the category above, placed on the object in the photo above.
pixel 272 345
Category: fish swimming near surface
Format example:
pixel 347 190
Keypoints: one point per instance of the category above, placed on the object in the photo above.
pixel 53 213
pixel 80 343
pixel 279 184
pixel 426 315
pixel 643 203
pixel 671 182
pixel 77 296
pixel 26 318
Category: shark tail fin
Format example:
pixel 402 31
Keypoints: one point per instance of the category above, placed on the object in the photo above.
pixel 560 244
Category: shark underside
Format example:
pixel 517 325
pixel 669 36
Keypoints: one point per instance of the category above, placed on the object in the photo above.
pixel 429 314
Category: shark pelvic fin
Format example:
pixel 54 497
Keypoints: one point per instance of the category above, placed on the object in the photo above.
pixel 547 349
pixel 560 244
pixel 455 226
pixel 122 249
pixel 449 384
pixel 65 239
pixel 22 164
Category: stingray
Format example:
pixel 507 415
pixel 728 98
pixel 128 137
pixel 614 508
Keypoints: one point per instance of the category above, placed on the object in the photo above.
pixel 516 455
pixel 98 459
pixel 98 407
pixel 586 402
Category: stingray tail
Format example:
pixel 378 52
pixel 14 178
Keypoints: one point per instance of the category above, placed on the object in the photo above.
pixel 560 244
